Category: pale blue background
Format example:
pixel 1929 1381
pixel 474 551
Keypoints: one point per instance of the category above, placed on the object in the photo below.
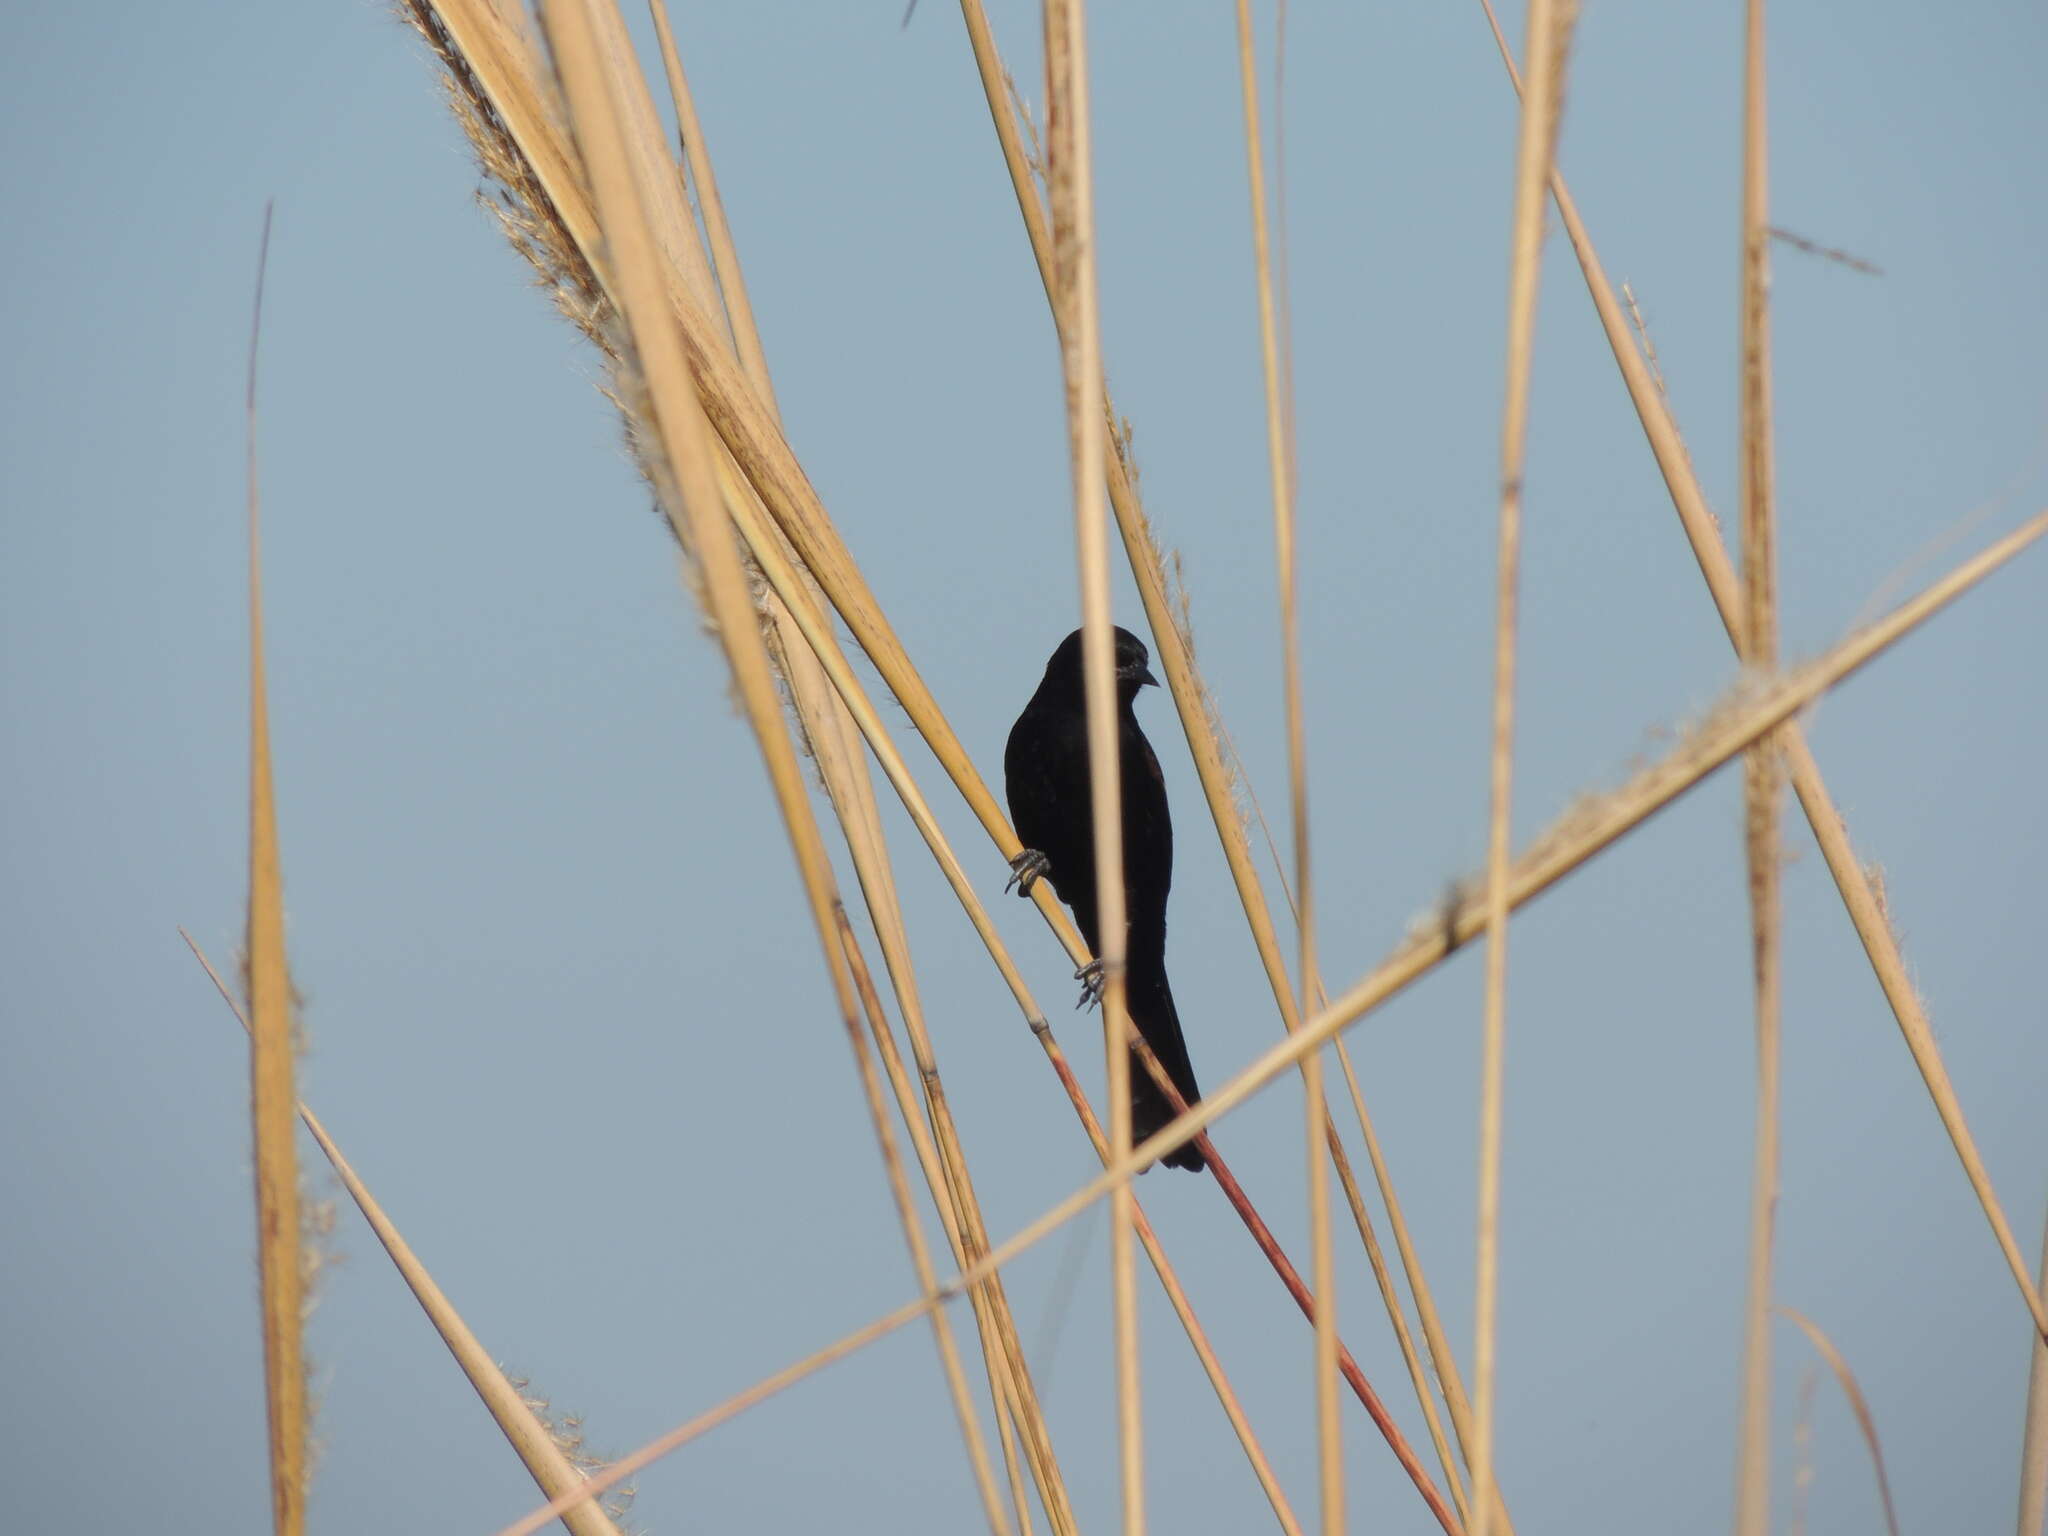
pixel 563 1008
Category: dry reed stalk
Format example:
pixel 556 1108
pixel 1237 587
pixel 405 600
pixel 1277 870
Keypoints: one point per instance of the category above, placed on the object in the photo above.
pixel 1441 1355
pixel 1425 1304
pixel 1581 834
pixel 1170 1282
pixel 1070 179
pixel 938 1179
pixel 732 283
pixel 1761 785
pixel 943 1162
pixel 517 107
pixel 1864 904
pixel 552 1471
pixel 1549 33
pixel 836 750
pixel 953 1188
pixel 1189 694
pixel 1315 1110
pixel 778 565
pixel 2034 1437
pixel 1305 1299
pixel 1846 1379
pixel 906 1210
pixel 1183 682
pixel 627 183
pixel 818 633
pixel 1059 1512
pixel 517 112
pixel 514 97
pixel 273 1046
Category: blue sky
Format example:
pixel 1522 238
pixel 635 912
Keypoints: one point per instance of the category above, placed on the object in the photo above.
pixel 563 1010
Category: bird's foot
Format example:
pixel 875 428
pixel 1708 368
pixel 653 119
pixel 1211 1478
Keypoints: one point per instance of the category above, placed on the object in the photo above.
pixel 1026 870
pixel 1090 977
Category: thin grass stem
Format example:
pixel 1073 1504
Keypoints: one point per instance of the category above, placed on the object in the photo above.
pixel 1315 1111
pixel 1070 165
pixel 1761 786
pixel 1865 1421
pixel 1549 28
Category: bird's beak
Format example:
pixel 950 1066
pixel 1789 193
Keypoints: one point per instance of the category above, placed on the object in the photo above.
pixel 1146 679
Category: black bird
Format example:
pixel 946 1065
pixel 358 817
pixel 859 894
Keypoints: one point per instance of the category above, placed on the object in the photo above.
pixel 1045 770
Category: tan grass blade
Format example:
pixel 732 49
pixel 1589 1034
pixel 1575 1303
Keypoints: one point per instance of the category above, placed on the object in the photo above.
pixel 1549 33
pixel 2034 1437
pixel 627 183
pixel 1846 1378
pixel 1581 834
pixel 1070 166
pixel 1329 1435
pixel 551 1470
pixel 1866 910
pixel 1762 784
pixel 272 1049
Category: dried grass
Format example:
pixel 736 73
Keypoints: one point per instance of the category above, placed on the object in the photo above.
pixel 635 250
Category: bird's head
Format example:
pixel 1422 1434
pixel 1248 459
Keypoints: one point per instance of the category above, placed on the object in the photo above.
pixel 1133 664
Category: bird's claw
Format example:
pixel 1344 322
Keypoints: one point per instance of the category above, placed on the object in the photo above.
pixel 1090 977
pixel 1026 870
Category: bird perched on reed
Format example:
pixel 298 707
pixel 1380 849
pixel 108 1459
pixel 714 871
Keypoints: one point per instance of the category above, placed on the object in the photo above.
pixel 1045 773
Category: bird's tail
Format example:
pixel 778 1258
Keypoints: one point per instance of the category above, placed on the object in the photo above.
pixel 1152 1010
